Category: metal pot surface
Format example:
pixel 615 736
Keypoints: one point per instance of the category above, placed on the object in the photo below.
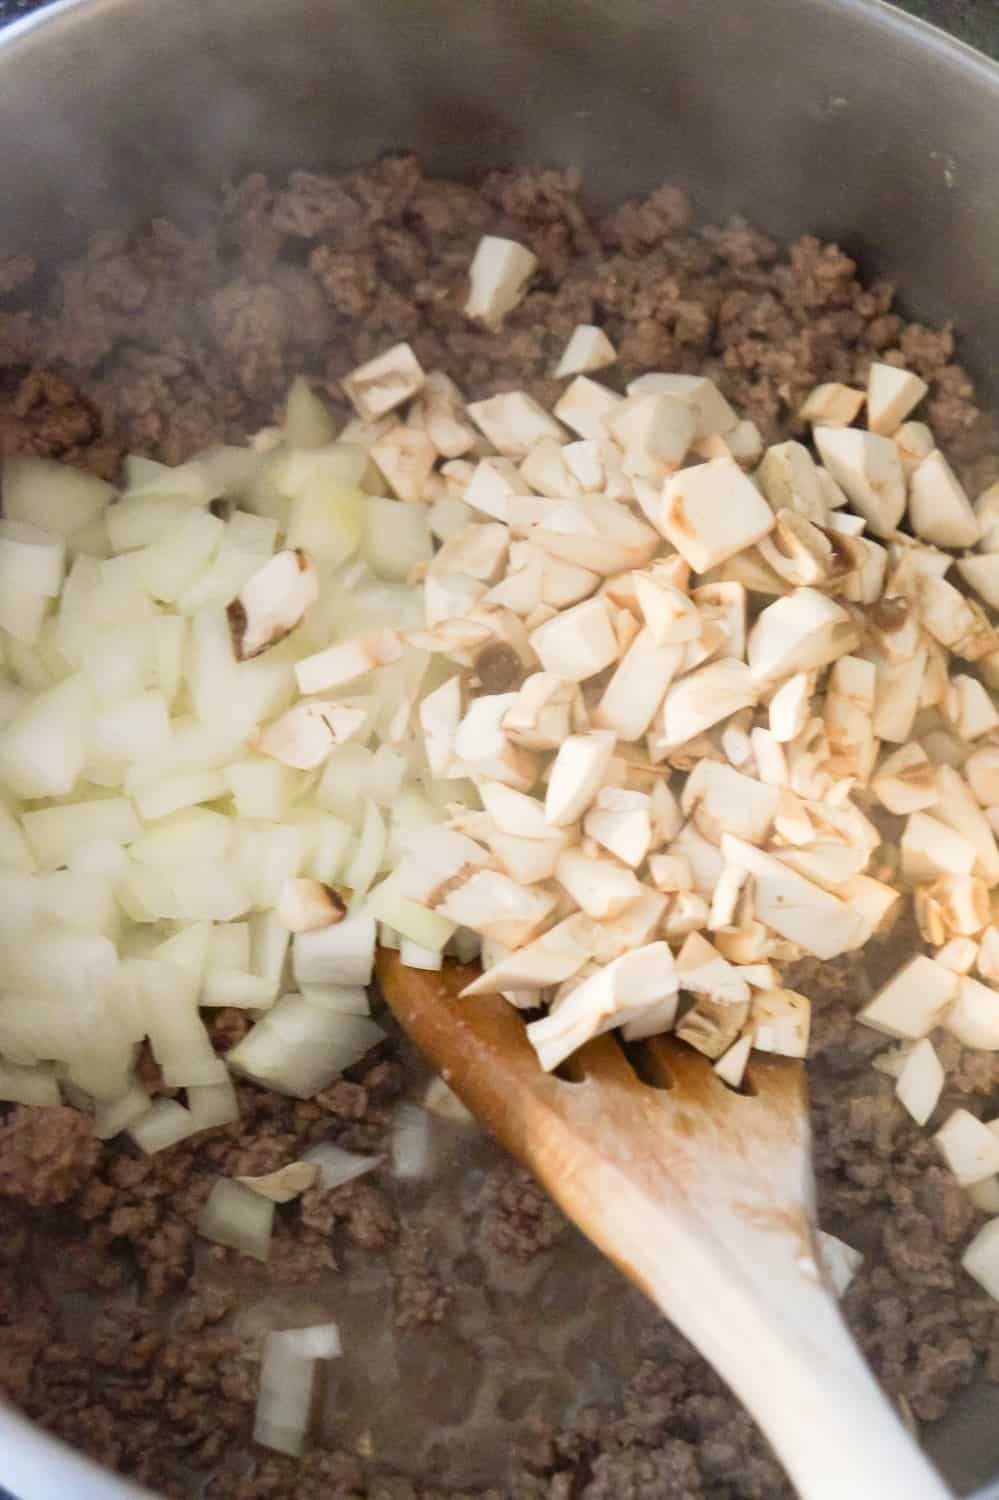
pixel 842 118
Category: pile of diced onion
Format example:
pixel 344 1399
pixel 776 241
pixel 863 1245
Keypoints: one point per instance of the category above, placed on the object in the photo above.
pixel 611 696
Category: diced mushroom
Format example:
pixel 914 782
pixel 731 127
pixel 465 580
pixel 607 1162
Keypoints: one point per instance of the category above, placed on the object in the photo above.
pixel 789 478
pixel 621 821
pixel 500 908
pixel 712 412
pixel 892 393
pixel 819 922
pixel 452 597
pixel 968 1146
pixel 987 959
pixel 987 515
pixel 621 991
pixel 304 736
pixel 383 383
pixel 544 469
pixel 779 1021
pixel 688 912
pixel 655 430
pixel 637 688
pixel 731 1066
pixel 958 809
pixel 789 707
pixel 914 442
pixel 905 781
pixel 958 955
pixel 306 905
pixel 345 662
pixel 479 551
pixel 284 1185
pixel 525 860
pixel 639 923
pixel 601 887
pixel 897 696
pixel 848 717
pixel 711 512
pixel 939 509
pixel 483 747
pixel 671 873
pixel 440 859
pixel 594 532
pixel 913 1001
pixel 973 1019
pixel 406 457
pixel 722 606
pixel 576 776
pixel 595 467
pixel 840 1261
pixel 982 574
pixel 541 715
pixel 981 770
pixel 498 278
pixel 770 758
pixel 551 959
pixel 869 469
pixel 586 407
pixel 929 848
pixel 705 697
pixel 725 898
pixel 981 1258
pixel 969 709
pixel 831 405
pixel 272 603
pixel 513 423
pixel 722 800
pixel 800 632
pixel 579 642
pixel 491 485
pixel 845 524
pixel 671 616
pixel 440 714
pixel 963 903
pixel 443 414
pixel 588 349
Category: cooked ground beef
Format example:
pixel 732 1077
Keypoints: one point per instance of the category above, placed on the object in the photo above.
pixel 118 1330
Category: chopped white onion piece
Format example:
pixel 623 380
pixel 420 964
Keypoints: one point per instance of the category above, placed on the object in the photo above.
pixel 337 1166
pixel 235 1216
pixel 162 1126
pixel 411 1146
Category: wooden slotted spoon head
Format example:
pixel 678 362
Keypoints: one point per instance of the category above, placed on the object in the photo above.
pixel 704 1197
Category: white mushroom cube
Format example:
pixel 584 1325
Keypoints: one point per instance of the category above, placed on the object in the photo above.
pixel 602 888
pixel 541 716
pixel 440 860
pixel 479 551
pixel 897 696
pixel 711 512
pixel 588 349
pixel 799 633
pixel 711 411
pixel 513 423
pixel 914 441
pixel 968 1146
pixel 655 432
pixel 929 848
pixel 892 394
pixel 594 532
pixel 622 991
pixel 920 1081
pixel 383 383
pixel 500 908
pixel 579 642
pixel 492 483
pixel 722 800
pixel 346 661
pixel 306 905
pixel 550 959
pixel 982 574
pixel 974 1017
pixel 442 407
pixel 527 860
pixel 831 405
pixel 958 955
pixel 544 469
pixel 406 457
pixel 272 603
pixel 587 407
pixel 939 509
pixel 790 480
pixel 577 774
pixel 913 1001
pixel 969 709
pixel 498 278
pixel 305 735
pixel 818 921
pixel 483 747
pixel 440 714
pixel 621 821
pixel 636 690
pixel 705 697
pixel 731 1066
pixel 981 1258
pixel 905 781
pixel 671 615
pixel 959 810
pixel 788 708
pixel 987 514
pixel 869 469
pixel 841 1261
pixel 779 1021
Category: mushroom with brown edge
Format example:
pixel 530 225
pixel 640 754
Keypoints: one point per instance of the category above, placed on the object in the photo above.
pixel 272 603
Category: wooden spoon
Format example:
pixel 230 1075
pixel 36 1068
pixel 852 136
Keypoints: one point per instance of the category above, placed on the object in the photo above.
pixel 704 1197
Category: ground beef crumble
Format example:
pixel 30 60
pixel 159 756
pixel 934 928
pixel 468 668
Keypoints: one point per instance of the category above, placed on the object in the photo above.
pixel 165 341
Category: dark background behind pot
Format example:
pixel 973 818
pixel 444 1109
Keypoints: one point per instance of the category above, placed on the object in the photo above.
pixel 974 21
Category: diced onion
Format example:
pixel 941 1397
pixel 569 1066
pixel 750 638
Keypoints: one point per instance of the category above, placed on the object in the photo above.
pixel 320 1341
pixel 415 957
pixel 411 1147
pixel 213 1104
pixel 237 1217
pixel 284 1403
pixel 337 1166
pixel 31 1085
pixel 298 1049
pixel 118 1114
pixel 166 1123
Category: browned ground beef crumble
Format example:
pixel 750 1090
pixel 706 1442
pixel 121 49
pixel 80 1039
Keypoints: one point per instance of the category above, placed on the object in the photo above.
pixel 165 342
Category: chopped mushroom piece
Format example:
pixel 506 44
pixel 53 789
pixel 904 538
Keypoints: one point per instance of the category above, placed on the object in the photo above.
pixel 711 512
pixel 987 960
pixel 892 393
pixel 987 513
pixel 345 662
pixel 483 748
pixel 554 957
pixel 579 642
pixel 383 383
pixel 974 1017
pixel 788 709
pixel 541 715
pixel 722 800
pixel 491 485
pixel 272 603
pixel 406 458
pixel 981 1258
pixel 913 1001
pixel 869 469
pixel 982 574
pixel 513 423
pixel 790 480
pixel 779 1021
pixel 286 1183
pixel 914 441
pixel 703 698
pixel 969 709
pixel 497 907
pixel 620 992
pixel 655 431
pixel 670 615
pixel 831 405
pixel 711 411
pixel 638 924
pixel 905 781
pixel 306 905
pixel 636 690
pixel 819 922
pixel 929 848
pixel 939 509
pixel 968 1146
pixel 440 714
pixel 798 633
pixel 498 278
pixel 576 775
pixel 601 887
pixel 304 736
pixel 587 407
pixel 731 1066
pixel 959 955
pixel 588 349
pixel 959 810
pixel 621 821
pixel 920 1081
pixel 841 1261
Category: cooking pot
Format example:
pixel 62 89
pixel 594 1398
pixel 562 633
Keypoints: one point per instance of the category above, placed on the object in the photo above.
pixel 842 118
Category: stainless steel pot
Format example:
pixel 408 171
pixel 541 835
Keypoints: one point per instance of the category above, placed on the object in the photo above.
pixel 840 117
